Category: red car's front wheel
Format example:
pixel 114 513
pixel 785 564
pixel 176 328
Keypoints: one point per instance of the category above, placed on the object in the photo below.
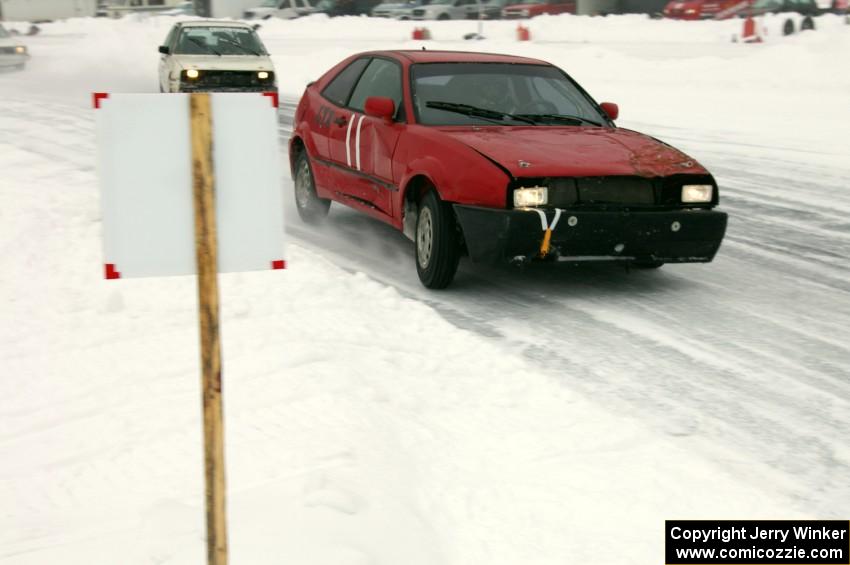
pixel 437 242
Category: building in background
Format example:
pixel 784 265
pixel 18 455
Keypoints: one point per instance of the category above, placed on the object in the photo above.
pixel 45 10
pixel 119 8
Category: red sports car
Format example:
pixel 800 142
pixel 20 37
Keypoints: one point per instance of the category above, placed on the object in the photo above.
pixel 497 158
pixel 704 9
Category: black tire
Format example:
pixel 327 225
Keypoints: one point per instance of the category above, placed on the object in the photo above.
pixel 808 24
pixel 311 208
pixel 443 17
pixel 437 242
pixel 648 264
pixel 788 28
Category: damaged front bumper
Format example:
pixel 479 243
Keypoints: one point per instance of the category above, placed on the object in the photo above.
pixel 667 236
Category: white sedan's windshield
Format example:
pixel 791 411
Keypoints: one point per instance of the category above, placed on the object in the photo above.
pixel 219 40
pixel 499 93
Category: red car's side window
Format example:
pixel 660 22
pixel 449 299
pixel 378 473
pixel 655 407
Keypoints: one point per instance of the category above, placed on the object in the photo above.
pixel 381 78
pixel 339 89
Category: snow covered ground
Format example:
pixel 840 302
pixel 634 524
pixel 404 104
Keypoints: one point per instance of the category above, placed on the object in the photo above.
pixel 514 418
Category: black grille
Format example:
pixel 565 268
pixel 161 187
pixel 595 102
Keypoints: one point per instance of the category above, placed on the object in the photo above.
pixel 591 191
pixel 617 191
pixel 8 50
pixel 229 79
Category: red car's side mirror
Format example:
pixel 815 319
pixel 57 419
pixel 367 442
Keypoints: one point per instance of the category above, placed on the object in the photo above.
pixel 611 109
pixel 380 107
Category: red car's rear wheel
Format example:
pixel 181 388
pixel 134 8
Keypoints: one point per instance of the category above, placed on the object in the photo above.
pixel 311 208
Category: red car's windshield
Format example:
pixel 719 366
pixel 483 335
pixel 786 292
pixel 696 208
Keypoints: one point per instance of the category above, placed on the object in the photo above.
pixel 498 93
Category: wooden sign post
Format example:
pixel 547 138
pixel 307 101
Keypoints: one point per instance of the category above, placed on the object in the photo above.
pixel 151 149
pixel 206 253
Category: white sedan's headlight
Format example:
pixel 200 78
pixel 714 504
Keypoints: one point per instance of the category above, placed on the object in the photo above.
pixel 192 73
pixel 20 49
pixel 262 75
pixel 697 193
pixel 535 196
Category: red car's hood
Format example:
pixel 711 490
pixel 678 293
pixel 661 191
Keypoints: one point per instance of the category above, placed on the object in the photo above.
pixel 575 151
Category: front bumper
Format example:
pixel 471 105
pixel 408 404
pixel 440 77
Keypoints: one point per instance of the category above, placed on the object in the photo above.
pixel 669 236
pixel 12 59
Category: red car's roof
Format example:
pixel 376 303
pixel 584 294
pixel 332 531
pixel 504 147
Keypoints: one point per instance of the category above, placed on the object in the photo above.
pixel 420 56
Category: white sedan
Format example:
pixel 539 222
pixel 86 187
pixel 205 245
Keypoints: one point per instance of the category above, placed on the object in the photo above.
pixel 12 52
pixel 214 56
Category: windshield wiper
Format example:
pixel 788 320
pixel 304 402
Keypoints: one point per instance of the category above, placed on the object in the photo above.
pixel 239 45
pixel 204 45
pixel 468 110
pixel 577 120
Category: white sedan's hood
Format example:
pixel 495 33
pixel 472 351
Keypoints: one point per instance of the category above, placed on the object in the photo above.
pixel 225 62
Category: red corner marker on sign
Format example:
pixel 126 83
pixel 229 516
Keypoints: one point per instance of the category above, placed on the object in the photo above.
pixel 97 97
pixel 110 272
pixel 279 264
pixel 273 96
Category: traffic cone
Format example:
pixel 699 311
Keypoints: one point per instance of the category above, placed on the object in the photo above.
pixel 523 33
pixel 421 33
pixel 751 32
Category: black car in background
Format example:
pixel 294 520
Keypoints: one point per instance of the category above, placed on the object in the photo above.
pixel 345 7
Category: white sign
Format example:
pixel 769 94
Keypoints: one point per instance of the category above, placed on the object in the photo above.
pixel 145 168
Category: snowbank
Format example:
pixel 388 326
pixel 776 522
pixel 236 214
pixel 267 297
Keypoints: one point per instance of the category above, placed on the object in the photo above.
pixel 361 427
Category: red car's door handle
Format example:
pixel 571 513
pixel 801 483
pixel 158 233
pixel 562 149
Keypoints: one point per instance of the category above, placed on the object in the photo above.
pixel 340 121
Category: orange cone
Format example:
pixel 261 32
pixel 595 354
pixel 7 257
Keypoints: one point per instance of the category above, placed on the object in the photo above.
pixel 751 32
pixel 523 33
pixel 421 33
